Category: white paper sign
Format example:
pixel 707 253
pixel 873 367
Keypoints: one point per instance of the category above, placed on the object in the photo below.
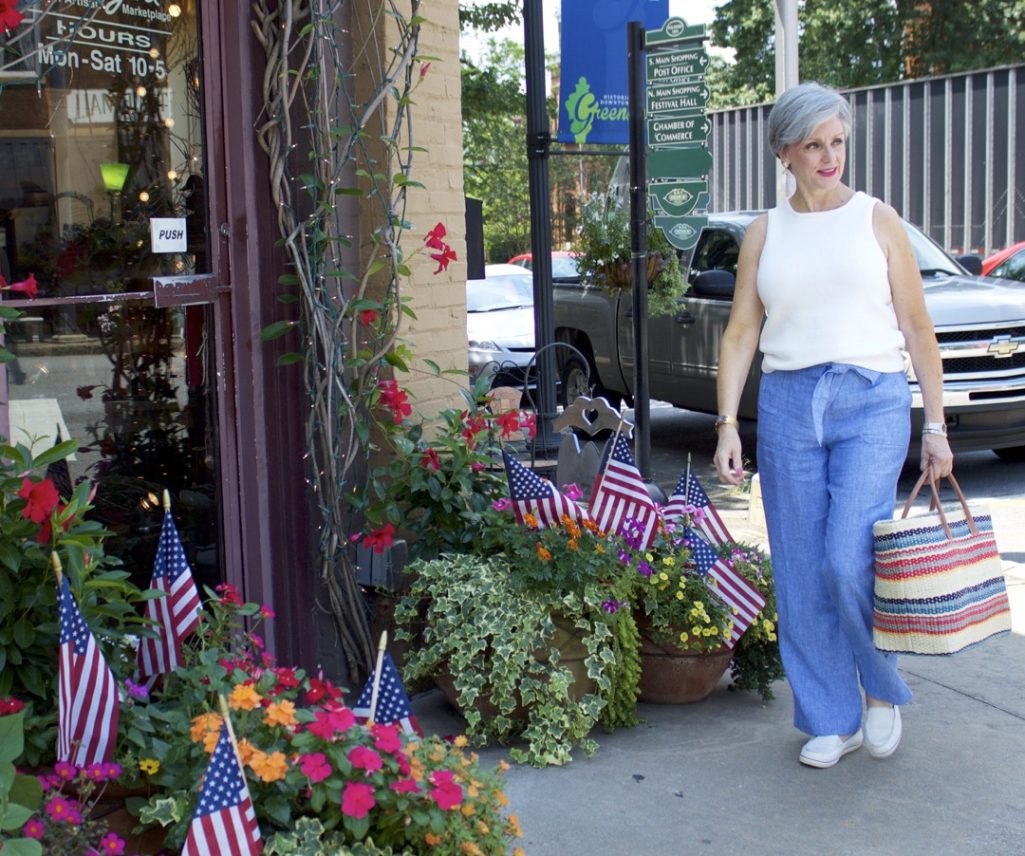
pixel 167 235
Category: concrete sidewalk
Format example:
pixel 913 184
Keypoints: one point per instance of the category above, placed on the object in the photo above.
pixel 722 776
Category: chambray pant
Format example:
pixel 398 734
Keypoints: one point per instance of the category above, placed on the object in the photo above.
pixel 831 442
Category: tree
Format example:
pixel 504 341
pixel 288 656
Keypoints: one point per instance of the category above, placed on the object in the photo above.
pixel 864 42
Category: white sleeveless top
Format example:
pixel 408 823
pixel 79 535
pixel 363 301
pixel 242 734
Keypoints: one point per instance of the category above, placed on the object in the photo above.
pixel 822 279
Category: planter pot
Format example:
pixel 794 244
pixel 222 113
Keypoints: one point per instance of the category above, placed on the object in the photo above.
pixel 571 655
pixel 671 675
pixel 119 820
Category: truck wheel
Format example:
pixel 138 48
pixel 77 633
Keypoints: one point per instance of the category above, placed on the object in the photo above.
pixel 1012 453
pixel 575 375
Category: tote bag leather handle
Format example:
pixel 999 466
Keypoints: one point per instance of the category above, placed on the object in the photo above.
pixel 934 485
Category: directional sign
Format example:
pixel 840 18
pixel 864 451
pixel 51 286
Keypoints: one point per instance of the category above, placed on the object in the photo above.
pixel 675 31
pixel 681 232
pixel 677 66
pixel 687 162
pixel 684 97
pixel 677 198
pixel 678 130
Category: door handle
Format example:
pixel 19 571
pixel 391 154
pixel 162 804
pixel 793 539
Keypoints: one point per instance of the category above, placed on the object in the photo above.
pixel 684 318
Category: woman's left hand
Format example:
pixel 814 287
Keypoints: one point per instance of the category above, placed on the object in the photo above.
pixel 936 455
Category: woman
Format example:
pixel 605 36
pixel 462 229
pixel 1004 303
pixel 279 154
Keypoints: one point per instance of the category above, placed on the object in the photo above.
pixel 832 274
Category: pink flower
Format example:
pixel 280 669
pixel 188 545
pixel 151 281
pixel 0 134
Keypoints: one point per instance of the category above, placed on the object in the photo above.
pixel 430 460
pixel 405 786
pixel 266 612
pixel 315 766
pixel 94 772
pixel 113 844
pixel 572 492
pixel 331 722
pixel 10 705
pixel 446 792
pixel 386 738
pixel 9 16
pixel 477 466
pixel 503 504
pixel 28 286
pixel 365 758
pixel 357 799
pixel 136 691
pixel 230 596
pixel 423 72
pixel 380 538
pixel 33 828
pixel 63 811
pixel 528 421
pixel 40 499
pixel 65 770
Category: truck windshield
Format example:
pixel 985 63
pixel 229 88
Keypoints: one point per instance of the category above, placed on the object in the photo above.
pixel 932 261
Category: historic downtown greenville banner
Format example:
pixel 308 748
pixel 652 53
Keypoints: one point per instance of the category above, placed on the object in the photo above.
pixel 593 100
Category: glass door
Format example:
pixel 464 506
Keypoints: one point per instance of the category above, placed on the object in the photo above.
pixel 103 204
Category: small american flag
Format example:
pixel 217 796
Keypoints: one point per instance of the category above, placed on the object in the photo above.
pixel 393 705
pixel 224 823
pixel 620 496
pixel 177 613
pixel 689 492
pixel 735 591
pixel 534 495
pixel 87 702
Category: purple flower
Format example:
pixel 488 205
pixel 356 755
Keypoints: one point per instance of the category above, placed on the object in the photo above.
pixel 572 492
pixel 612 605
pixel 624 557
pixel 644 568
pixel 136 691
pixel 502 504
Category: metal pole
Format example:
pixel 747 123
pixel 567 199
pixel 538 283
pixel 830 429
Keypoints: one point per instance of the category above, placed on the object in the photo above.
pixel 787 43
pixel 639 245
pixel 538 141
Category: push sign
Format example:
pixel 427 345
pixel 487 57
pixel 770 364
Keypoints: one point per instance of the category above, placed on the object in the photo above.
pixel 167 235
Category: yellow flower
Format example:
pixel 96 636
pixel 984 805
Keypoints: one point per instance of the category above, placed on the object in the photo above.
pixel 599 549
pixel 281 713
pixel 572 543
pixel 684 637
pixel 768 625
pixel 519 851
pixel 696 630
pixel 679 595
pixel 664 577
pixel 772 637
pixel 669 561
pixel 244 697
pixel 461 741
pixel 514 825
pixel 483 828
pixel 149 766
pixel 470 848
pixel 472 792
pixel 698 605
pixel 503 765
pixel 468 809
pixel 270 768
pixel 649 557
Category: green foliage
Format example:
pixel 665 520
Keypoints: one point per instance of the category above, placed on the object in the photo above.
pixel 603 244
pixel 29 631
pixel 497 639
pixel 488 16
pixel 620 710
pixel 20 795
pixel 756 662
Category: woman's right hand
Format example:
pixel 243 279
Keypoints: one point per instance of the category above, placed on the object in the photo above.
pixel 728 460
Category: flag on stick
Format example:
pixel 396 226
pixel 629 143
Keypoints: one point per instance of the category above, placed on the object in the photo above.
pixel 87 701
pixel 534 495
pixel 620 495
pixel 733 589
pixel 392 703
pixel 224 822
pixel 177 613
pixel 689 492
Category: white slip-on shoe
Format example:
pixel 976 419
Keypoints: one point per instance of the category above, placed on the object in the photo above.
pixel 882 730
pixel 826 751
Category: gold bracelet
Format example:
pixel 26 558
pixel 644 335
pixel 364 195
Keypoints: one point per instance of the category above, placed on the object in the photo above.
pixel 724 420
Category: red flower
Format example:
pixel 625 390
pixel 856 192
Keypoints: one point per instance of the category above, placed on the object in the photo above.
pixel 474 426
pixel 395 399
pixel 386 738
pixel 368 317
pixel 266 612
pixel 405 786
pixel 9 16
pixel 423 70
pixel 443 252
pixel 10 705
pixel 443 258
pixel 433 239
pixel 357 799
pixel 315 766
pixel 28 286
pixel 430 460
pixel 320 688
pixel 365 758
pixel 528 421
pixel 41 499
pixel 383 537
pixel 509 422
pixel 230 596
pixel 331 721
pixel 446 792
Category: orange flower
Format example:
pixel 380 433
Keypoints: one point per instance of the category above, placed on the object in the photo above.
pixel 514 826
pixel 468 809
pixel 542 553
pixel 530 520
pixel 483 828
pixel 591 526
pixel 470 848
pixel 572 528
pixel 244 697
pixel 501 798
pixel 246 751
pixel 432 839
pixel 281 713
pixel 270 768
pixel 503 765
pixel 519 851
pixel 572 543
pixel 206 728
pixel 460 741
pixel 472 792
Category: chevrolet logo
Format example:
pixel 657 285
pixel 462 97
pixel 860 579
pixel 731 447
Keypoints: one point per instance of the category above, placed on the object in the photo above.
pixel 1002 346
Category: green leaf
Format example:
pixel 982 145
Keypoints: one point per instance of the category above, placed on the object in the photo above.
pixel 14 818
pixel 276 330
pixel 291 358
pixel 349 191
pixel 12 736
pixel 26 791
pixel 22 847
pixel 54 454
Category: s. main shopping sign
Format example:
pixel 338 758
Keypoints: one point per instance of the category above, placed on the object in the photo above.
pixel 677 153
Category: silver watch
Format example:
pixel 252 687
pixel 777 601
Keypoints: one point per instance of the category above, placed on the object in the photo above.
pixel 934 428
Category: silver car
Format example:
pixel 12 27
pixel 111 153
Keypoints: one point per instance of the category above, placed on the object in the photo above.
pixel 500 324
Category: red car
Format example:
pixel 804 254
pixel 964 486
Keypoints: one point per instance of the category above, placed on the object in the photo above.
pixel 1009 263
pixel 564 265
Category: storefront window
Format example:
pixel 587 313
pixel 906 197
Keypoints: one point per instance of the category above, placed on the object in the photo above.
pixel 102 192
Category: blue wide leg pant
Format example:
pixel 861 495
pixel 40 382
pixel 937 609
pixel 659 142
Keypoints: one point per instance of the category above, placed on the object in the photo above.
pixel 831 442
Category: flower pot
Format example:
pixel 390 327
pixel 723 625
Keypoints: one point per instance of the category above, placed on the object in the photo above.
pixel 119 820
pixel 671 675
pixel 571 655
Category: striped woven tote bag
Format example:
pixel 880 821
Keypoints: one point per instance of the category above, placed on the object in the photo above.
pixel 939 583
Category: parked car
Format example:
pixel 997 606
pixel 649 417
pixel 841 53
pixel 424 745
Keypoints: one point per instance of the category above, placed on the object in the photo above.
pixel 980 326
pixel 500 324
pixel 564 265
pixel 1009 263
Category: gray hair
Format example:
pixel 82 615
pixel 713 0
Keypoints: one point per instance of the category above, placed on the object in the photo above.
pixel 800 110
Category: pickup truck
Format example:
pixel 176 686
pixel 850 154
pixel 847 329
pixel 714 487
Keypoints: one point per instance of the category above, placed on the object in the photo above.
pixel 980 325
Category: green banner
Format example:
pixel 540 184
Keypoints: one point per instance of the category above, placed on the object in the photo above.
pixel 689 162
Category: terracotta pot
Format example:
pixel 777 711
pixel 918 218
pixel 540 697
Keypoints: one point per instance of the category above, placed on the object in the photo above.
pixel 571 655
pixel 671 675
pixel 119 820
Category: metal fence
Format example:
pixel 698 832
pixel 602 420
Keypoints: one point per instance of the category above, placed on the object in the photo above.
pixel 942 150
